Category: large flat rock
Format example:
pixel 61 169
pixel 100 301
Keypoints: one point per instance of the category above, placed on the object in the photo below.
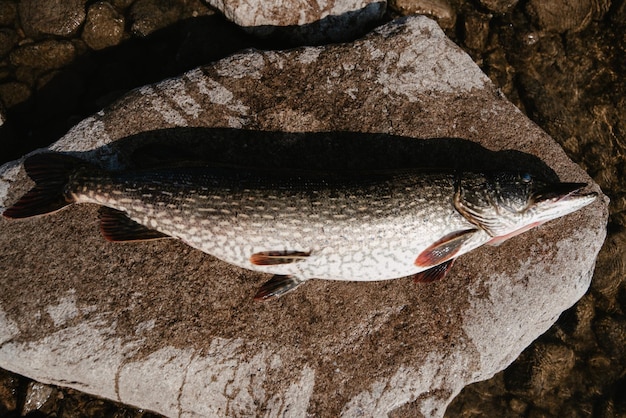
pixel 168 328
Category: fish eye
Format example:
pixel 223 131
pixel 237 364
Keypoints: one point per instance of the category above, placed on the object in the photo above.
pixel 527 178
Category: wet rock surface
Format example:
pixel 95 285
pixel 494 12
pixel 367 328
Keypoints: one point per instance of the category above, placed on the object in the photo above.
pixel 584 113
pixel 51 17
pixel 104 26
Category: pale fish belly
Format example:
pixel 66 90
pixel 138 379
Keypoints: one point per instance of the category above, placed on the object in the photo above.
pixel 384 250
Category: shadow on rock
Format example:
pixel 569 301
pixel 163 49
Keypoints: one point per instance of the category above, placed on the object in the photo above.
pixel 312 151
pixel 96 79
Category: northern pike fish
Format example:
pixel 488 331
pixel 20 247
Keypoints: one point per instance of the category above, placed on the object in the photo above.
pixel 300 225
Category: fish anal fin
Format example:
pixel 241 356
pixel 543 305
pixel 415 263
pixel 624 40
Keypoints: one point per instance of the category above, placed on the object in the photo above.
pixel 116 226
pixel 276 287
pixel 444 249
pixel 434 274
pixel 272 258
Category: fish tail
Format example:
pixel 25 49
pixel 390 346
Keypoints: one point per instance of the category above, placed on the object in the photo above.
pixel 51 173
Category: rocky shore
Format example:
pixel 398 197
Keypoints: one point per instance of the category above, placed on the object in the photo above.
pixel 61 63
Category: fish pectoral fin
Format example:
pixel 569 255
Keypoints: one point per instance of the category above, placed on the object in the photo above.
pixel 116 226
pixel 271 258
pixel 444 249
pixel 434 274
pixel 276 287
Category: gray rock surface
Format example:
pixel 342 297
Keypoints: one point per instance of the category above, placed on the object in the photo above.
pixel 303 20
pixel 167 328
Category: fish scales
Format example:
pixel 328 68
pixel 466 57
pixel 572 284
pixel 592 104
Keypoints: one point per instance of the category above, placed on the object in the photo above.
pixel 361 226
pixel 301 225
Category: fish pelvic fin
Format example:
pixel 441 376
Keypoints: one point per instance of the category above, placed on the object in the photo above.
pixel 444 249
pixel 51 172
pixel 276 287
pixel 434 274
pixel 116 226
pixel 271 258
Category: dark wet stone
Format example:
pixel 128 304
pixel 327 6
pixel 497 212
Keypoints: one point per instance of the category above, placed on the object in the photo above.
pixel 8 13
pixel 501 72
pixel 600 371
pixel 476 29
pixel 51 17
pixel 565 15
pixel 539 369
pixel 9 386
pixel 518 406
pixel 5 71
pixel 45 55
pixel 150 15
pixel 440 10
pixel 611 334
pixel 8 39
pixel 618 14
pixel 13 93
pixel 39 398
pixel 612 261
pixel 196 8
pixel 121 4
pixel 499 6
pixel 104 26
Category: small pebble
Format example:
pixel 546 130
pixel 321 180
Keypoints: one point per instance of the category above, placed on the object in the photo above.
pixel 51 17
pixel 518 406
pixel 440 10
pixel 610 266
pixel 46 55
pixel 8 39
pixel 611 334
pixel 566 15
pixel 37 395
pixel 13 93
pixel 9 386
pixel 104 26
pixel 121 4
pixel 499 6
pixel 8 13
pixel 476 30
pixel 150 15
pixel 539 369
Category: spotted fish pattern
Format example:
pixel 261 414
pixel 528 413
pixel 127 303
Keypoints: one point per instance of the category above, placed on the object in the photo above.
pixel 297 225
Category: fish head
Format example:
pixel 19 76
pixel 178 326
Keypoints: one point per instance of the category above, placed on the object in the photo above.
pixel 505 204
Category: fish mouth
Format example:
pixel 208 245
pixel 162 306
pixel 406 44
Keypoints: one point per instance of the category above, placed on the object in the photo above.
pixel 563 192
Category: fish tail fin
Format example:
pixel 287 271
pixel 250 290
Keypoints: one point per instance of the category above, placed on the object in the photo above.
pixel 51 173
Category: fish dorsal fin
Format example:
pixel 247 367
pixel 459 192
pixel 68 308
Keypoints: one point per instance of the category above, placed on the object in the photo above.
pixel 116 226
pixel 444 249
pixel 434 274
pixel 271 258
